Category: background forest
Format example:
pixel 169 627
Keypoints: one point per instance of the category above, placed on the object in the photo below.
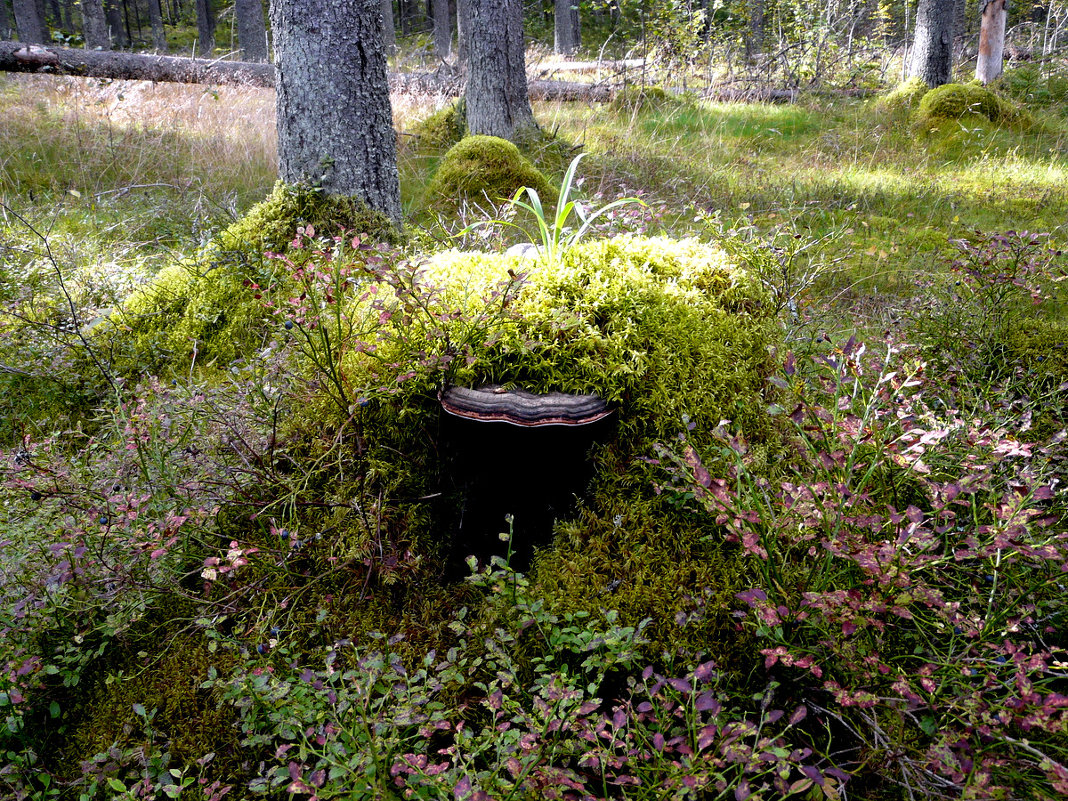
pixel 817 550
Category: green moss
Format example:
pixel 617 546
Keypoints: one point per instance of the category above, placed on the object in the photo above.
pixel 481 167
pixel 904 97
pixel 666 331
pixel 642 98
pixel 954 101
pixel 442 129
pixel 207 305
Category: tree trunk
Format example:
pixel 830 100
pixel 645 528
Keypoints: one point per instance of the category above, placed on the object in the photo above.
pixel 567 28
pixel 463 26
pixel 28 22
pixel 442 29
pixel 251 30
pixel 205 29
pixel 155 18
pixel 7 25
pixel 389 30
pixel 497 101
pixel 95 25
pixel 335 125
pixel 991 41
pixel 115 27
pixel 932 50
pixel 754 42
pixel 17 57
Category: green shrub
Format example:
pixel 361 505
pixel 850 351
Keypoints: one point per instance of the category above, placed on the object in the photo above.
pixel 212 306
pixel 1029 86
pixel 486 167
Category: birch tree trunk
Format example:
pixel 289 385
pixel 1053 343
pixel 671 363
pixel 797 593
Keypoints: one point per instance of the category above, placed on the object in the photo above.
pixel 95 25
pixel 335 125
pixel 568 34
pixel 28 22
pixel 931 59
pixel 991 41
pixel 496 99
pixel 251 30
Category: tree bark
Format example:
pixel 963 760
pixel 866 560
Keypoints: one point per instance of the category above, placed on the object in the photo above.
pixel 932 50
pixel 17 57
pixel 566 25
pixel 497 100
pixel 463 26
pixel 251 30
pixel 442 28
pixel 335 125
pixel 115 26
pixel 28 22
pixel 205 29
pixel 389 30
pixel 991 41
pixel 7 24
pixel 95 25
pixel 155 18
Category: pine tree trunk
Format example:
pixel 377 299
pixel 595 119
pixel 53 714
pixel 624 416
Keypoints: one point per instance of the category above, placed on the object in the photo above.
pixel 932 50
pixel 251 30
pixel 115 27
pixel 155 18
pixel 7 24
pixel 442 28
pixel 389 30
pixel 463 26
pixel 28 22
pixel 566 26
pixel 205 29
pixel 497 100
pixel 991 41
pixel 95 25
pixel 335 125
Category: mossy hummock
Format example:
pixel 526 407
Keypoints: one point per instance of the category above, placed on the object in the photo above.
pixel 482 168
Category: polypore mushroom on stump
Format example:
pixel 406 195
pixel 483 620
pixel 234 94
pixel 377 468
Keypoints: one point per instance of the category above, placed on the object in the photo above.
pixel 513 452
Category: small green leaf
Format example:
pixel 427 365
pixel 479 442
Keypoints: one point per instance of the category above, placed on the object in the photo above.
pixel 54 710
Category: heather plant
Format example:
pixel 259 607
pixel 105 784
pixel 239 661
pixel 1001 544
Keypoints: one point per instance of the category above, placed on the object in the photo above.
pixel 911 564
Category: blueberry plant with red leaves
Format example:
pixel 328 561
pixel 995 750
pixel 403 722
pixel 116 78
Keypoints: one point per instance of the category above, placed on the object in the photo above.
pixel 912 564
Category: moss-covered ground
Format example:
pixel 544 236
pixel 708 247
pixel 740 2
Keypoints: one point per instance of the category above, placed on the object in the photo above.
pixel 235 518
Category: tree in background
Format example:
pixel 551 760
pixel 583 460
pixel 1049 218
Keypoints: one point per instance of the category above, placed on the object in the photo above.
pixel 568 33
pixel 7 25
pixel 29 22
pixel 251 29
pixel 496 98
pixel 205 29
pixel 931 59
pixel 993 15
pixel 155 19
pixel 95 25
pixel 116 29
pixel 442 28
pixel 335 124
pixel 389 31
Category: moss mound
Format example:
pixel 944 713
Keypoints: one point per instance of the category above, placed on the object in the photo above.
pixel 904 97
pixel 481 167
pixel 644 98
pixel 670 333
pixel 213 305
pixel 954 101
pixel 442 129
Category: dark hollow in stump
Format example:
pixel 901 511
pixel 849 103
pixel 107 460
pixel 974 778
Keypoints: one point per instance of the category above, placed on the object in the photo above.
pixel 511 452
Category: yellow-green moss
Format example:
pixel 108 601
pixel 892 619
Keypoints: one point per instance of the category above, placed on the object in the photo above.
pixel 641 98
pixel 208 304
pixel 666 331
pixel 953 101
pixel 486 167
pixel 442 129
pixel 904 97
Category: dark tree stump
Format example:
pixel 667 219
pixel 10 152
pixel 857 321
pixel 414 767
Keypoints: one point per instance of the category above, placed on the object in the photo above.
pixel 511 452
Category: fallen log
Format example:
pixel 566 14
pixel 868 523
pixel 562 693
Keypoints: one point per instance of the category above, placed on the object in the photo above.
pixel 20 57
